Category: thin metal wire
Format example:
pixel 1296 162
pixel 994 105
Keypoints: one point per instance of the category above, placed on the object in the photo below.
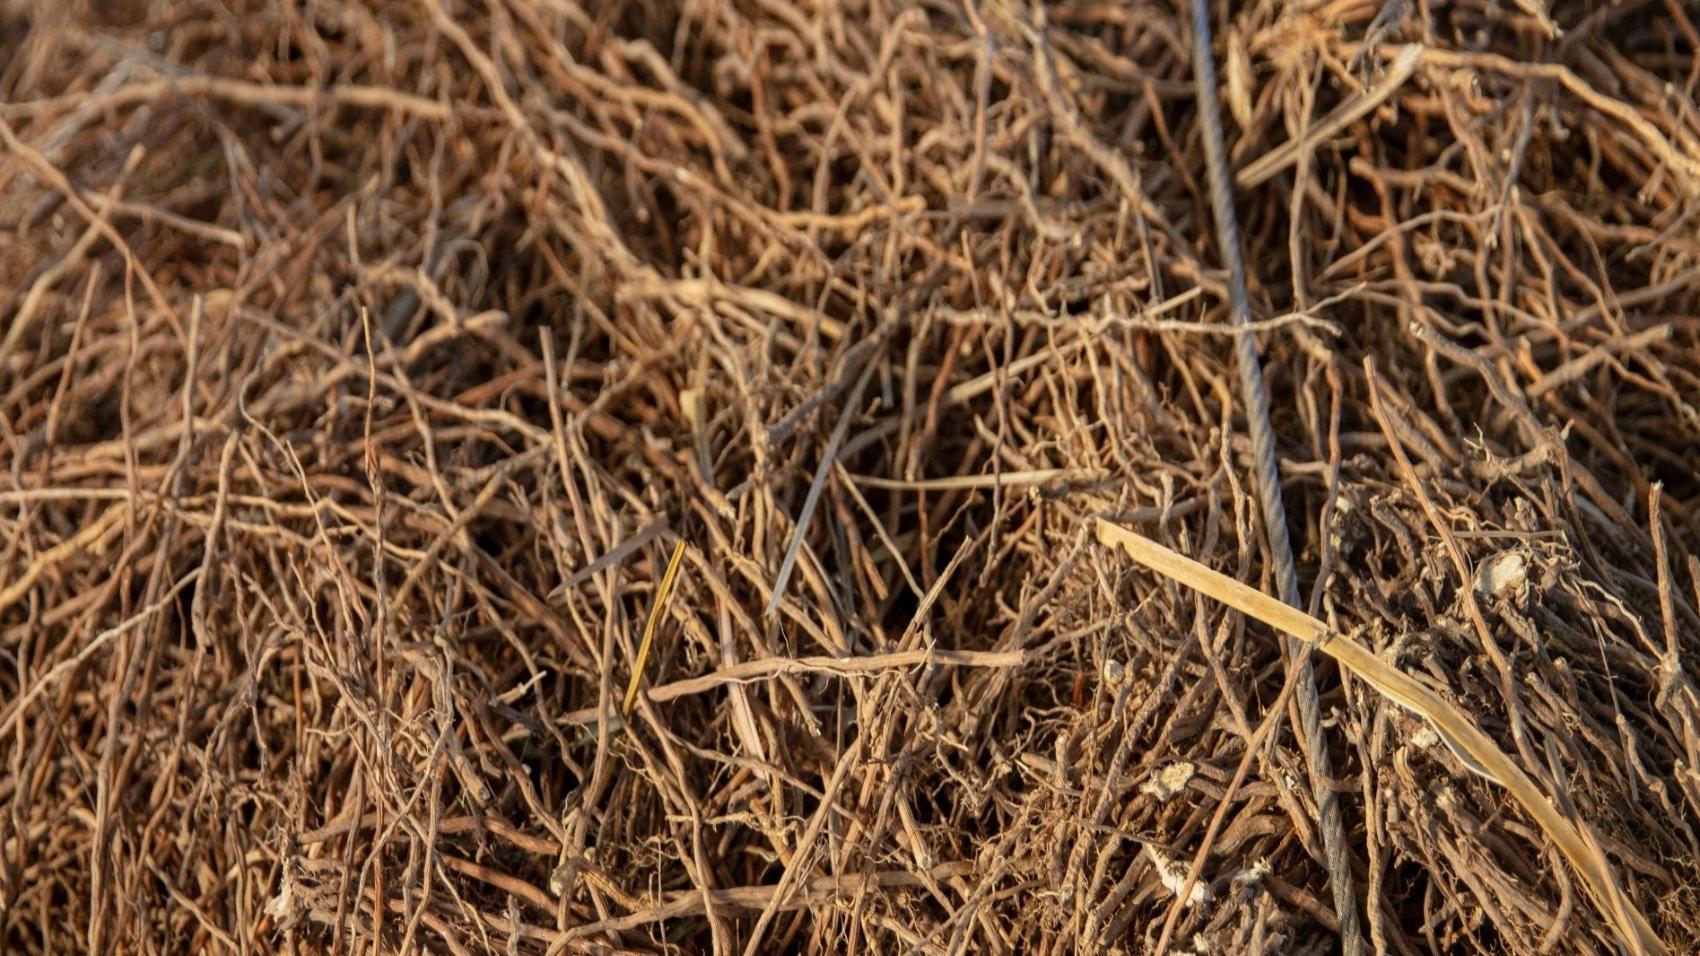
pixel 1256 400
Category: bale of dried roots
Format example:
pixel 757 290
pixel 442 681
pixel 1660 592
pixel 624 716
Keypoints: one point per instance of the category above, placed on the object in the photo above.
pixel 363 364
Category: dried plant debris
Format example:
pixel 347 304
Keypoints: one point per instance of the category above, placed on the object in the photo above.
pixel 1168 781
pixel 1505 572
pixel 365 366
pixel 1173 875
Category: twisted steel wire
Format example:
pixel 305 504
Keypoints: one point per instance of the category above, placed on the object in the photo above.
pixel 1256 399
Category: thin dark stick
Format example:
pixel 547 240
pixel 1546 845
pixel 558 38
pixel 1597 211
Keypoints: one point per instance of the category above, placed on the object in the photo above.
pixel 1256 399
